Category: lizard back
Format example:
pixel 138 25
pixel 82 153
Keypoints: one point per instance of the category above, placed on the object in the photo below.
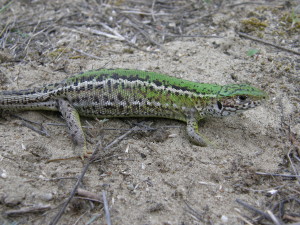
pixel 134 93
pixel 116 93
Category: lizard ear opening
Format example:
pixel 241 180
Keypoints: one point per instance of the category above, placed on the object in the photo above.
pixel 219 105
pixel 242 97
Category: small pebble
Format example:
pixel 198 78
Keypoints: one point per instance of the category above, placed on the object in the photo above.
pixel 3 174
pixel 23 147
pixel 47 196
pixel 130 187
pixel 14 200
pixel 224 219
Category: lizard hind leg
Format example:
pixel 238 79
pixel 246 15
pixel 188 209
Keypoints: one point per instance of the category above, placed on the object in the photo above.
pixel 194 134
pixel 72 119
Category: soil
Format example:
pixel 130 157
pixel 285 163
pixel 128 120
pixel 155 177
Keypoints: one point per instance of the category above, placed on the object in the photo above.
pixel 154 177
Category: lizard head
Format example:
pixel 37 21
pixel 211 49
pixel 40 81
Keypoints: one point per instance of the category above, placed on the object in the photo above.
pixel 236 98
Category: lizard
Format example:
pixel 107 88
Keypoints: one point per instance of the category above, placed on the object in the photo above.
pixel 107 93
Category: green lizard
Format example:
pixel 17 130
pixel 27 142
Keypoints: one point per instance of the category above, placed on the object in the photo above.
pixel 108 93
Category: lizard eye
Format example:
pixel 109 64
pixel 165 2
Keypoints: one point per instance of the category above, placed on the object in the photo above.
pixel 242 97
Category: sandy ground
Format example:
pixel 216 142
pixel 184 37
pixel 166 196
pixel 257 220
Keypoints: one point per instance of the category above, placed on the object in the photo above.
pixel 159 177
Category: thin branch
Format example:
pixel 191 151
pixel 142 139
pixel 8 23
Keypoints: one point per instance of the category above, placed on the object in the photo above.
pixel 31 209
pixel 106 208
pixel 41 22
pixel 193 212
pixel 145 13
pixel 278 175
pixel 193 35
pixel 145 34
pixel 267 43
pixel 25 122
pixel 292 164
pixel 62 210
pixel 42 132
pixel 88 194
pixel 246 205
pixel 86 54
pixel 152 10
pixel 244 218
pixel 248 3
pixel 84 170
pixel 274 218
pixel 89 199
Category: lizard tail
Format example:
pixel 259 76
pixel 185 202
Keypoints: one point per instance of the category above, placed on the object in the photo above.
pixel 29 99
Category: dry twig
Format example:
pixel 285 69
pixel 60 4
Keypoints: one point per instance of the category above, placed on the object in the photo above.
pixel 106 208
pixel 274 218
pixel 25 122
pixel 278 175
pixel 292 164
pixel 246 205
pixel 244 218
pixel 25 210
pixel 84 170
pixel 86 54
pixel 89 195
pixel 267 43
pixel 193 212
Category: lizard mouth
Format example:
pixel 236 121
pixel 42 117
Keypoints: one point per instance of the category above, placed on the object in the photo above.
pixel 231 108
pixel 244 106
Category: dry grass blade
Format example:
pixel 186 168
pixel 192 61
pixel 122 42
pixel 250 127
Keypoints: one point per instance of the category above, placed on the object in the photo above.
pixel 114 36
pixel 6 6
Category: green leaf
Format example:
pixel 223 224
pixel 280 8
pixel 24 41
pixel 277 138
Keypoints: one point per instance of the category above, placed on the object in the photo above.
pixel 252 52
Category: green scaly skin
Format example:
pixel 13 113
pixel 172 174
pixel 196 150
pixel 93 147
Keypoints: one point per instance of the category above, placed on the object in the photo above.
pixel 107 93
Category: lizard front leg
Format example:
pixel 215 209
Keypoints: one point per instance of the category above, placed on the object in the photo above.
pixel 193 132
pixel 72 118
